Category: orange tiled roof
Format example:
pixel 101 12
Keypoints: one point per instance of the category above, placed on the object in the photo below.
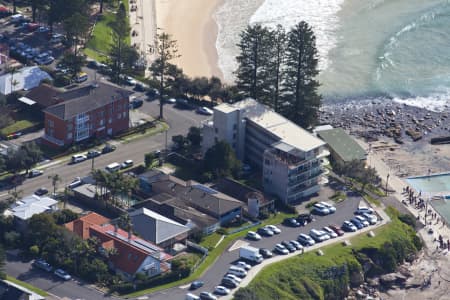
pixel 81 225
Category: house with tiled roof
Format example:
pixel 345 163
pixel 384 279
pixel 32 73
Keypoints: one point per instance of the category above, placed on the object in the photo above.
pixel 129 254
pixel 96 110
pixel 157 228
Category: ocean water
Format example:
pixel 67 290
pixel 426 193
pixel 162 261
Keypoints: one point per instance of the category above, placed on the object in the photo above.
pixel 384 49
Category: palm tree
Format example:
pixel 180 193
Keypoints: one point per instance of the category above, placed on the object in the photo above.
pixel 55 179
pixel 15 194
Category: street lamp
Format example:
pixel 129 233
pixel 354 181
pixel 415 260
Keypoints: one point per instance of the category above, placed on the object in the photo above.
pixel 387 180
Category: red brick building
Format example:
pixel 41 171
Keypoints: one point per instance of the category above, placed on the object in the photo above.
pixel 96 110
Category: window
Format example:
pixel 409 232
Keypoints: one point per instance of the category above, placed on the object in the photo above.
pixel 119 116
pixel 51 123
pixel 234 126
pixel 51 132
pixel 102 122
pixel 216 130
pixel 69 136
pixel 234 136
pixel 267 162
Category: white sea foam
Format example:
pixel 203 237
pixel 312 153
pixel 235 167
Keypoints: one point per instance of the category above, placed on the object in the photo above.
pixel 234 15
pixel 437 103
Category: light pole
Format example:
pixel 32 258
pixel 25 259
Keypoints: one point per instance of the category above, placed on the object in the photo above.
pixel 387 180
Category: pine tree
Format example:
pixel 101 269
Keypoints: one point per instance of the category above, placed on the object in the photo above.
pixel 301 100
pixel 253 62
pixel 274 78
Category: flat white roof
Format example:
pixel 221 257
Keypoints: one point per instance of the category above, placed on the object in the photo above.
pixel 225 108
pixel 30 205
pixel 26 100
pixel 287 131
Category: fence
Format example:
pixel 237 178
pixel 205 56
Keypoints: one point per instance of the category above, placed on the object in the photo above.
pixel 244 227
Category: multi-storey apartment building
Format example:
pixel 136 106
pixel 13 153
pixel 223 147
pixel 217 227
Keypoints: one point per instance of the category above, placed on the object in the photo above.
pixel 288 156
pixel 95 110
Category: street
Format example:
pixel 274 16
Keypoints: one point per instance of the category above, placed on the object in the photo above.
pixel 179 121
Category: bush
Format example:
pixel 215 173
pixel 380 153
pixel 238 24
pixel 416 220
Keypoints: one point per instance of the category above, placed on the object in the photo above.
pixel 222 231
pixel 61 80
pixel 310 204
pixel 408 219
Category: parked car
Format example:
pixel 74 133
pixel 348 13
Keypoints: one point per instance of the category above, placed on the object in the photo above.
pixel 35 173
pixel 266 253
pixel 93 153
pixel 265 231
pixel 126 164
pixel 130 80
pixel 207 296
pixel 42 264
pixel 336 229
pixel 320 209
pixel 274 229
pixel 140 87
pixel 41 191
pixel 349 226
pixel 330 207
pixel 357 223
pixel 243 265
pixel 196 284
pixel 56 38
pixel 233 277
pixel 288 246
pixel 43 29
pixel 80 77
pixel 280 249
pixel 330 232
pixel 171 100
pixel 305 240
pixel 371 218
pixel 205 111
pixel 108 148
pixel 75 183
pixel 78 158
pixel 251 235
pixel 221 290
pixel 62 274
pixel 136 103
pixel 182 102
pixel 190 296
pixel 229 283
pixel 292 222
pixel 296 244
pixel 319 235
pixel 362 220
pixel 304 219
pixel 364 210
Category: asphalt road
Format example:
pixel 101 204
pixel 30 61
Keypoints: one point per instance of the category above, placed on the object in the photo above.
pixel 214 274
pixel 178 120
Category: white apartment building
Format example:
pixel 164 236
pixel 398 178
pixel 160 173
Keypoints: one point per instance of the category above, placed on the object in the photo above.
pixel 288 156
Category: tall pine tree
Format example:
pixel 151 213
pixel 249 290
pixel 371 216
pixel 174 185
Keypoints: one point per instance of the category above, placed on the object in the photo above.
pixel 253 63
pixel 274 78
pixel 301 100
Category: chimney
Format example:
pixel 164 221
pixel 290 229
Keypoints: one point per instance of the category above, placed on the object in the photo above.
pixel 115 227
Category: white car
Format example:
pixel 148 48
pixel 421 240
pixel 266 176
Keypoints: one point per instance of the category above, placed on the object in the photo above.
pixel 320 209
pixel 130 80
pixel 305 240
pixel 363 220
pixel 34 173
pixel 364 210
pixel 371 218
pixel 172 100
pixel 205 111
pixel 78 158
pixel 281 249
pixel 253 236
pixel 330 232
pixel 76 182
pixel 62 274
pixel 273 228
pixel 221 290
pixel 319 235
pixel 330 207
pixel 243 265
pixel 233 277
pixel 126 164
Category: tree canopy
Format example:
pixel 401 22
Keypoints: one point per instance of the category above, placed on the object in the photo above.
pixel 221 160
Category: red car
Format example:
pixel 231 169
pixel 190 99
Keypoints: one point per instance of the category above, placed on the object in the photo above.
pixel 32 26
pixel 337 229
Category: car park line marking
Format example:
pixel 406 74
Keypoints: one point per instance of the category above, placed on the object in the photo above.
pixel 238 244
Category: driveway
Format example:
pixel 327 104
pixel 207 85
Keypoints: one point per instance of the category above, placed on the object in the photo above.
pixel 71 289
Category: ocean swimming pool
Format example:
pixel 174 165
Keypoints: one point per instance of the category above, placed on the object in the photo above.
pixel 434 183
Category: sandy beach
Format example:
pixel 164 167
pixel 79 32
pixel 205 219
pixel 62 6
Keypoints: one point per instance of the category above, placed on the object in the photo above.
pixel 191 23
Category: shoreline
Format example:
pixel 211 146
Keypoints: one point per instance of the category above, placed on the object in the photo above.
pixel 195 32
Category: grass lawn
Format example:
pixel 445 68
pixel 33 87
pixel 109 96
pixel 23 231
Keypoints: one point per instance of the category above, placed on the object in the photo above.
pixel 210 241
pixel 160 127
pixel 100 42
pixel 212 256
pixel 16 126
pixel 371 199
pixel 27 286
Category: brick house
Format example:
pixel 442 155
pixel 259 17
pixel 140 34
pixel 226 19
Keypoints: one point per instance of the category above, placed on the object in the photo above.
pixel 96 110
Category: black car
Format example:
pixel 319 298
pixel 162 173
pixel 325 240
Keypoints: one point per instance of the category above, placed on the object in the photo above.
pixel 289 246
pixel 196 284
pixel 41 191
pixel 229 283
pixel 136 103
pixel 266 253
pixel 304 219
pixel 292 222
pixel 108 148
pixel 93 153
pixel 139 87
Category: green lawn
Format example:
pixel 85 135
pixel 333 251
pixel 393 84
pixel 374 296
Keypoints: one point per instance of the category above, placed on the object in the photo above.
pixel 100 42
pixel 27 286
pixel 210 241
pixel 16 126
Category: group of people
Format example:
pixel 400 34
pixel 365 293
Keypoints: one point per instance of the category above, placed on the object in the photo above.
pixel 413 198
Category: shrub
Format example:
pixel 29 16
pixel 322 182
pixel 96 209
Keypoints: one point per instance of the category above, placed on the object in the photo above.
pixel 408 219
pixel 222 231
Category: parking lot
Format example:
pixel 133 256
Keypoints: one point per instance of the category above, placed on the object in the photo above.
pixel 212 278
